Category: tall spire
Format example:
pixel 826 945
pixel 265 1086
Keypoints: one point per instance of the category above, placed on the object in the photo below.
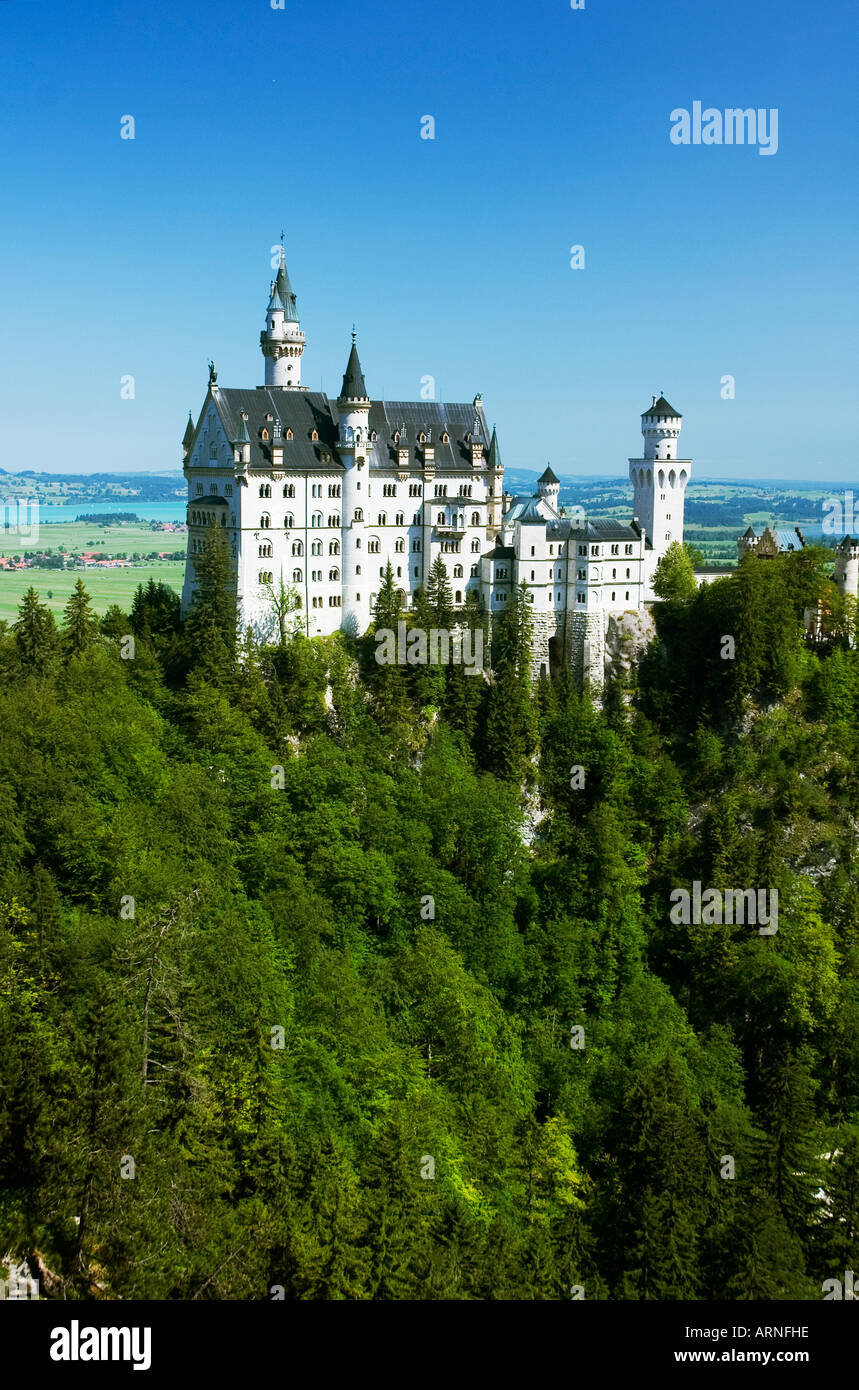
pixel 354 387
pixel 284 289
pixel 494 459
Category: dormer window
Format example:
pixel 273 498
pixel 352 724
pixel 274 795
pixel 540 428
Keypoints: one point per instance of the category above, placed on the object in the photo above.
pixel 445 437
pixel 264 434
pixel 289 434
pixel 314 434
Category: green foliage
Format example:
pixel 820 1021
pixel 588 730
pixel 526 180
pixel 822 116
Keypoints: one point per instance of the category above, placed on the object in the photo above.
pixel 370 970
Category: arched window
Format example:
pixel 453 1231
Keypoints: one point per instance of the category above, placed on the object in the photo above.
pixel 359 515
pixel 265 550
pixel 296 576
pixel 475 518
pixel 265 576
pixel 400 546
pixel 457 573
pixel 297 548
pixel 265 490
pixel 264 435
pixel 334 548
pixel 334 574
pixel 334 520
pixel 357 569
pixel 289 435
pixel 401 520
pixel 289 489
pixel 316 548
pixel 374 545
pixel 440 519
pixel 265 521
pixel 314 434
pixel 475 547
pixel 383 518
pixel 288 521
pixel 316 519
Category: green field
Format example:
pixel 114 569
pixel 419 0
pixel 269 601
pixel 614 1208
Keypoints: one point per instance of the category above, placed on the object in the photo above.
pixel 83 535
pixel 103 586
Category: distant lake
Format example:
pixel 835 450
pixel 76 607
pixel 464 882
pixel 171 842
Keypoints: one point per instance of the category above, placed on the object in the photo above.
pixel 147 511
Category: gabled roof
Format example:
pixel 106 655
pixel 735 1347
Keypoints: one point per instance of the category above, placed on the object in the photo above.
pixel 297 410
pixel 661 407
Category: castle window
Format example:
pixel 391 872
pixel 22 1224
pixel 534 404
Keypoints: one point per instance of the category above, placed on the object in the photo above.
pixel 383 518
pixel 551 550
pixel 475 518
pixel 265 490
pixel 288 521
pixel 416 571
pixel 475 547
pixel 316 548
pixel 627 593
pixel 559 598
pixel 627 575
pixel 213 451
pixel 615 550
pixel 213 489
pixel 288 435
pixel 359 515
pixel 612 595
pixel 440 519
pixel 289 489
pixel 458 598
pixel 400 546
pixel 373 436
pixel 297 548
pixel 474 571
pixel 314 434
pixel 416 545
pixel 445 437
pixel 199 489
pixel 265 576
pixel 334 548
pixel 532 552
pixel 265 521
pixel 334 520
pixel 265 550
pixel 228 490
pixel 441 489
pixel 389 490
pixel 583 550
pixel 415 490
pixel 374 545
pixel 333 574
pixel 532 574
pixel 335 601
pixel 614 574
pixel 263 434
pixel 627 550
pixel 316 519
pixel 457 571
pixel 333 489
pixel 357 569
pixel 400 520
pixel 595 550
pixel 580 598
pixel 296 576
pixel 501 572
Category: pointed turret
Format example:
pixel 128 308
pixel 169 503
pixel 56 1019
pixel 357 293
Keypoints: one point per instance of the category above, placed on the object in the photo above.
pixel 282 341
pixel 354 387
pixel 494 450
pixel 188 437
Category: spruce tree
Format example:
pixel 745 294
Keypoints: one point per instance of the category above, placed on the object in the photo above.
pixel 80 623
pixel 210 628
pixel 35 633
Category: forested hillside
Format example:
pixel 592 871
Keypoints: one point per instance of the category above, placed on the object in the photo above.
pixel 360 981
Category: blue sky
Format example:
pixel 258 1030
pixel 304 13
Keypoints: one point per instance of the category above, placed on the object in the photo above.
pixel 452 255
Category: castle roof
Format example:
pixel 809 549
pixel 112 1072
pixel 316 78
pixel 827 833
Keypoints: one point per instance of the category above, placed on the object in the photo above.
pixel 548 477
pixel 354 387
pixel 284 291
pixel 305 411
pixel 661 407
pixel 494 459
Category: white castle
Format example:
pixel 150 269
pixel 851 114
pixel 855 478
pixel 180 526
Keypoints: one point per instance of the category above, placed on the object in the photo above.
pixel 321 495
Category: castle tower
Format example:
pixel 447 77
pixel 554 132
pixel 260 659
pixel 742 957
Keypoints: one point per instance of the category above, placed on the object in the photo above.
pixel 494 478
pixel 847 566
pixel 282 341
pixel 353 405
pixel 659 483
pixel 549 487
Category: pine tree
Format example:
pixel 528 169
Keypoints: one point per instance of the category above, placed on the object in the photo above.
pixel 80 623
pixel 439 595
pixel 35 633
pixel 210 628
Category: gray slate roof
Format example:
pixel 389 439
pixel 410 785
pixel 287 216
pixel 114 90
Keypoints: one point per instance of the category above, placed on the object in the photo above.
pixel 303 411
pixel 548 477
pixel 354 387
pixel 661 407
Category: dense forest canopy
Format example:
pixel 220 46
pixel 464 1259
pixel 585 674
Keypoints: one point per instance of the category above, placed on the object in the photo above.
pixel 359 981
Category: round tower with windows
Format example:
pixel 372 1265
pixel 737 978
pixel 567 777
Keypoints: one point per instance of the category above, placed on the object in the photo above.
pixel 353 406
pixel 659 482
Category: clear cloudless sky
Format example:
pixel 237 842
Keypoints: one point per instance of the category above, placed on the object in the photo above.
pixel 452 255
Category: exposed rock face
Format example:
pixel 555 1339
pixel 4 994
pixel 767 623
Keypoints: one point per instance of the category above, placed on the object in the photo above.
pixel 627 637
